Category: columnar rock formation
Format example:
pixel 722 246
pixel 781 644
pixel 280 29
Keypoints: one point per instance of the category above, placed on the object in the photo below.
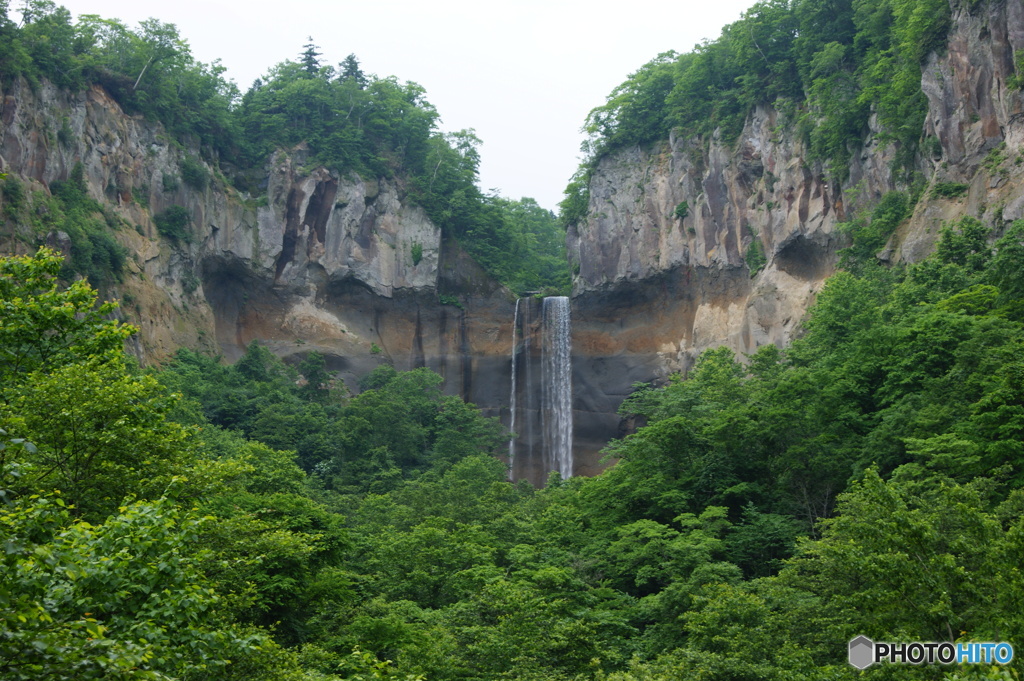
pixel 337 264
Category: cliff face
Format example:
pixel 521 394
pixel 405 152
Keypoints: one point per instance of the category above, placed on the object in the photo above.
pixel 310 229
pixel 653 290
pixel 319 262
pixel 347 267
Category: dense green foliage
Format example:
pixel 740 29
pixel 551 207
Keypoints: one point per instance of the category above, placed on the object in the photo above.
pixel 136 547
pixel 825 64
pixel 867 480
pixel 536 259
pixel 173 224
pixel 149 71
pixel 350 121
pixel 95 253
pixel 398 428
pixel 869 234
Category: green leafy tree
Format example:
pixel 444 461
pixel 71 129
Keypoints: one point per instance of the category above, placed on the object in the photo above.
pixel 825 64
pixel 318 379
pixel 123 600
pixel 101 435
pixel 401 426
pixel 44 325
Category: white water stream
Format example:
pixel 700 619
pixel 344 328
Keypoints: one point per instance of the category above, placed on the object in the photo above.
pixel 512 398
pixel 557 385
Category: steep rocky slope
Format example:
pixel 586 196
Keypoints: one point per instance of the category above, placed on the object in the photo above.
pixel 336 264
pixel 654 290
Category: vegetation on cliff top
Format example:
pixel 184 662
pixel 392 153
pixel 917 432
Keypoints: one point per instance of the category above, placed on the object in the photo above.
pixel 352 122
pixel 826 65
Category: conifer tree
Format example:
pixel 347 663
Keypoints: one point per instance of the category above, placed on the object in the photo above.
pixel 310 58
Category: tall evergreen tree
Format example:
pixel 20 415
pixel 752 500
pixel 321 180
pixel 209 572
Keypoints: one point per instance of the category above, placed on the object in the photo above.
pixel 310 58
pixel 350 69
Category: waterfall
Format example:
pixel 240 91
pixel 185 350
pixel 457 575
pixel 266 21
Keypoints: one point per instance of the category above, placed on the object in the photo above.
pixel 512 398
pixel 556 375
pixel 530 413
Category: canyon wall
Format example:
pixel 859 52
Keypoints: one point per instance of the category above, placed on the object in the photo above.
pixel 341 265
pixel 348 267
pixel 654 290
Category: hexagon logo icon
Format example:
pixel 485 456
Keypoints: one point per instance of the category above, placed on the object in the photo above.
pixel 862 652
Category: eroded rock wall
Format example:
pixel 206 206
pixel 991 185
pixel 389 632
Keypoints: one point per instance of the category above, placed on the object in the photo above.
pixel 317 261
pixel 654 290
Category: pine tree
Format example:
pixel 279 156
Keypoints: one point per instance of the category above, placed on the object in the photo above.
pixel 350 69
pixel 310 58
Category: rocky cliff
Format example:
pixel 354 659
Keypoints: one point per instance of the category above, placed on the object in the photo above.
pixel 341 265
pixel 348 267
pixel 664 258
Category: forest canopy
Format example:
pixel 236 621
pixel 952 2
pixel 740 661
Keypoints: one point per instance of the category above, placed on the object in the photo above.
pixel 260 521
pixel 257 521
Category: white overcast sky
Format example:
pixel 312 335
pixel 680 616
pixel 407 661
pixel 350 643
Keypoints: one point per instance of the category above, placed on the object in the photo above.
pixel 522 74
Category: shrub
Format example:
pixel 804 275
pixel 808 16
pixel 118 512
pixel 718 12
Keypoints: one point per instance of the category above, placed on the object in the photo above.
pixel 170 183
pixel 194 174
pixel 869 236
pixel 446 299
pixel 14 195
pixel 417 253
pixel 65 136
pixel 140 194
pixel 189 282
pixel 755 257
pixel 1016 81
pixel 948 190
pixel 173 222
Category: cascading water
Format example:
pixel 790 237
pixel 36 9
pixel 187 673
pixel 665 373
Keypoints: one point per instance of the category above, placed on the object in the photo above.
pixel 557 385
pixel 529 393
pixel 512 398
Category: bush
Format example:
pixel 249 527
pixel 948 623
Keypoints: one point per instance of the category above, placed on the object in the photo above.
pixel 189 282
pixel 682 210
pixel 870 236
pixel 14 195
pixel 417 253
pixel 755 257
pixel 194 173
pixel 1016 81
pixel 173 222
pixel 95 252
pixel 98 255
pixel 446 299
pixel 948 190
pixel 170 183
pixel 140 194
pixel 65 136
